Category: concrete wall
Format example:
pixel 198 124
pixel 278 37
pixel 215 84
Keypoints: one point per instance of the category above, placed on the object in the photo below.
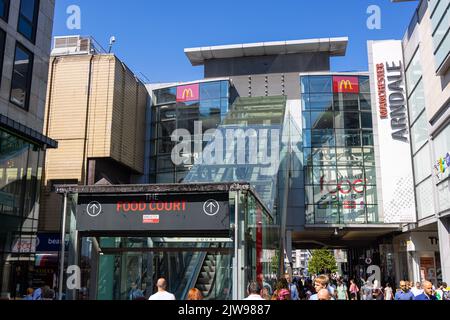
pixel 300 62
pixel 275 84
pixel 34 117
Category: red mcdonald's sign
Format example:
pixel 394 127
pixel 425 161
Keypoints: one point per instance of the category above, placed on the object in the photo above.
pixel 345 84
pixel 188 93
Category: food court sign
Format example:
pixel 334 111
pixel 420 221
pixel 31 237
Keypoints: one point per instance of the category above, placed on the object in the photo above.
pixel 153 212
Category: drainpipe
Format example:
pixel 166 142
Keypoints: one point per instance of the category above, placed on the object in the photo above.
pixel 86 127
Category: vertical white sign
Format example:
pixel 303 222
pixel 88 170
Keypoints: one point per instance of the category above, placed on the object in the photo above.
pixel 390 108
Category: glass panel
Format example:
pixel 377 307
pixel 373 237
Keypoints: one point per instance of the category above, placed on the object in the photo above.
pixel 327 213
pixel 347 120
pixel 166 128
pixel 21 79
pixel 371 175
pixel 414 72
pixel 322 138
pixel 321 84
pixel 167 113
pixel 304 84
pixel 28 18
pixel 225 89
pixel 165 145
pixel 165 178
pixel 366 120
pixel 322 120
pixel 323 174
pixel 425 200
pixel 306 119
pixel 364 84
pixel 319 102
pixel 419 133
pixel 210 90
pixel 165 164
pixel 309 195
pixel 348 138
pixel 422 164
pixel 372 214
pixel 323 156
pixel 371 194
pixel 4 9
pixel 349 156
pixel 416 102
pixel 365 102
pixel 369 156
pixel 346 102
pixel 14 154
pixel 367 137
pixel 166 95
pixel 353 212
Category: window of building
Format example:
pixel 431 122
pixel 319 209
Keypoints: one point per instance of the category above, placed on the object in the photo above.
pixel 416 102
pixel 319 102
pixel 21 77
pixel 419 133
pixel 425 202
pixel 413 72
pixel 28 18
pixel 321 84
pixel 346 102
pixel 4 9
pixel 166 95
pixel 422 164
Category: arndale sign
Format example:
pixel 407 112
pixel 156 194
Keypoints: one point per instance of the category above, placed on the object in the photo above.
pixel 392 129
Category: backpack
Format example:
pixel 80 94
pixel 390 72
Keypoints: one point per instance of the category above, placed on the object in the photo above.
pixel 445 295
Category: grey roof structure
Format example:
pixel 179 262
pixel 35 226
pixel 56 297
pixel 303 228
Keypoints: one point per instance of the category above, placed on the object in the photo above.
pixel 334 46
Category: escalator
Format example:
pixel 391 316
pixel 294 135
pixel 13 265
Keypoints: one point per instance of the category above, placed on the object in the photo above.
pixel 263 116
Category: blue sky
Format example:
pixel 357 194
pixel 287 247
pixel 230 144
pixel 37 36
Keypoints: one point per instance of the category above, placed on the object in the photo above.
pixel 151 34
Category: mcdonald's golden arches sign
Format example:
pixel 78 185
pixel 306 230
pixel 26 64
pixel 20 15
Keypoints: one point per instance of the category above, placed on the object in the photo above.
pixel 188 93
pixel 345 84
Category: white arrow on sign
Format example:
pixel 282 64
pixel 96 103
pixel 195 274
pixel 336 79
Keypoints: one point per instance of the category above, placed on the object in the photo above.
pixel 94 209
pixel 211 207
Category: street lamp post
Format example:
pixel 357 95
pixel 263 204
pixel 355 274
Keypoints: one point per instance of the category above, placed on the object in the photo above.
pixel 62 252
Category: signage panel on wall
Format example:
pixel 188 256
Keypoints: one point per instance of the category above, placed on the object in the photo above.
pixel 188 93
pixel 391 112
pixel 153 212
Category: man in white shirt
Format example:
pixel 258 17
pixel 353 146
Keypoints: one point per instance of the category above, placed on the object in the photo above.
pixel 417 290
pixel 254 290
pixel 162 294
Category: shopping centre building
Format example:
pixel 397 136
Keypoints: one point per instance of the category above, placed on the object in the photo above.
pixel 270 152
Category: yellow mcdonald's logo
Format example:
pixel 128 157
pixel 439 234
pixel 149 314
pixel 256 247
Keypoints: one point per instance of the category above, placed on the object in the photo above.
pixel 188 93
pixel 345 84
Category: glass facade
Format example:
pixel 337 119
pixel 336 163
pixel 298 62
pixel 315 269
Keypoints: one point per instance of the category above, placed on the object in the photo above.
pixel 20 175
pixel 178 108
pixel 339 160
pixel 420 147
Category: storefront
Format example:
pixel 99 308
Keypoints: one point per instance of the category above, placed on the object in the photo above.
pixel 418 257
pixel 21 159
pixel 210 236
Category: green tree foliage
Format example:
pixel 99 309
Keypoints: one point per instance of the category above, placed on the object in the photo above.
pixel 322 262
pixel 275 262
